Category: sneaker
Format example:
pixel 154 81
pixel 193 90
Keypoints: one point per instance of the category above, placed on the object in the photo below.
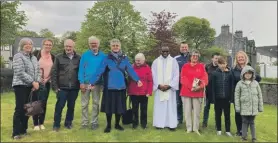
pixel 42 127
pixel 37 128
pixel 134 126
pixel 229 134
pixel 16 137
pixel 218 133
pixel 188 131
pixel 107 130
pixel 94 126
pixel 197 132
pixel 144 126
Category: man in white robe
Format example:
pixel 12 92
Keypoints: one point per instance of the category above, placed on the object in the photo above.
pixel 165 71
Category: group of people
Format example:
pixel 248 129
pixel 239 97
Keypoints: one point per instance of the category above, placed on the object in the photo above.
pixel 179 85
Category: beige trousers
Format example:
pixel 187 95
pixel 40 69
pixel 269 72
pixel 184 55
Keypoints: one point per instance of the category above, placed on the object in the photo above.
pixel 189 105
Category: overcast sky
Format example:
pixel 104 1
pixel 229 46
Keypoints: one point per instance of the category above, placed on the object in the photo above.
pixel 257 19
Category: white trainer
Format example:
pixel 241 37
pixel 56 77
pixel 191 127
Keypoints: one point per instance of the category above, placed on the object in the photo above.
pixel 218 133
pixel 37 128
pixel 229 134
pixel 42 127
pixel 197 132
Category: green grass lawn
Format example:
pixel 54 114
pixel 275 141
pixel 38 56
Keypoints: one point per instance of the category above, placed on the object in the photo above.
pixel 266 127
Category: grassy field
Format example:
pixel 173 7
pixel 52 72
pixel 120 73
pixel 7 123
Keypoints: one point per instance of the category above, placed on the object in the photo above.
pixel 266 126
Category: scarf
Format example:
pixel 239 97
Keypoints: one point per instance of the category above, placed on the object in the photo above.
pixel 164 75
pixel 117 54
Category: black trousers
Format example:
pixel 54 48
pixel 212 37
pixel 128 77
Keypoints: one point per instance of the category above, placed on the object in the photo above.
pixel 20 121
pixel 219 106
pixel 141 101
pixel 238 120
pixel 39 119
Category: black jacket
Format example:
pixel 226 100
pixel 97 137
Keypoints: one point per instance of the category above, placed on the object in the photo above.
pixel 64 72
pixel 236 71
pixel 209 69
pixel 221 84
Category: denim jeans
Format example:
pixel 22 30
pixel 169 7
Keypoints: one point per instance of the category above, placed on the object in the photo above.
pixel 64 96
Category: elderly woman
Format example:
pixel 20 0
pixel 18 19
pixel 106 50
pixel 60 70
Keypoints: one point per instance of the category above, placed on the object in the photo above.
pixel 46 60
pixel 193 79
pixel 241 60
pixel 114 67
pixel 139 95
pixel 26 78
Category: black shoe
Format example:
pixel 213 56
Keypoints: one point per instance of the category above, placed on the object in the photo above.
pixel 18 137
pixel 205 125
pixel 118 127
pixel 94 126
pixel 172 129
pixel 180 122
pixel 244 139
pixel 238 134
pixel 254 140
pixel 158 128
pixel 144 126
pixel 134 126
pixel 84 127
pixel 107 130
pixel 56 129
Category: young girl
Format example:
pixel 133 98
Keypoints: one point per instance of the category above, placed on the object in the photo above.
pixel 248 100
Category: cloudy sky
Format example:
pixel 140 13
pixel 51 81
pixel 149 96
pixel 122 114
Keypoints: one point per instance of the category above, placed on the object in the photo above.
pixel 257 19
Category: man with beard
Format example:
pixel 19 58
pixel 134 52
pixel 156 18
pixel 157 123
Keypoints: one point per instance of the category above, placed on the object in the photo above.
pixel 181 59
pixel 89 63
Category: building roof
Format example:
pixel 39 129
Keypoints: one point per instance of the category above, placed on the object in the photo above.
pixel 37 41
pixel 270 51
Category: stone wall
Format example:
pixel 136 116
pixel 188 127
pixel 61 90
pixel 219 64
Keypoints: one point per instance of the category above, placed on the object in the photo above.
pixel 269 91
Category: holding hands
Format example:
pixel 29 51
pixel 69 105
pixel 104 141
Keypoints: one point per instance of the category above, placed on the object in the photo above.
pixel 164 87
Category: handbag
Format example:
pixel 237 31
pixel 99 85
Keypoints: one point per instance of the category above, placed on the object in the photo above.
pixel 127 116
pixel 33 108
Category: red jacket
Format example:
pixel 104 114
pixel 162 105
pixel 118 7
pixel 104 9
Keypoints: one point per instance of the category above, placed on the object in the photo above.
pixel 145 74
pixel 188 73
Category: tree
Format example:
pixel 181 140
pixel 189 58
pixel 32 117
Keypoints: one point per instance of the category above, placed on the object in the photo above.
pixel 27 33
pixel 196 31
pixel 2 63
pixel 206 53
pixel 46 33
pixel 11 21
pixel 161 29
pixel 114 19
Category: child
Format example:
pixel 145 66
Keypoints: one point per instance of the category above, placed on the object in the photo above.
pixel 221 92
pixel 248 100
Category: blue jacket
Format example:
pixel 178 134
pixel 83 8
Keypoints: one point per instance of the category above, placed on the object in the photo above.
pixel 88 66
pixel 116 72
pixel 182 59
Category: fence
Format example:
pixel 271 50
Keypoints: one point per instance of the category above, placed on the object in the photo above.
pixel 268 71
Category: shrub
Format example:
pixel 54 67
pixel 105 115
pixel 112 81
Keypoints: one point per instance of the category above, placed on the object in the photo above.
pixel 270 80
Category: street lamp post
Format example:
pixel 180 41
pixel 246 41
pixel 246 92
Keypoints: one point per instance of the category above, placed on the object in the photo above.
pixel 233 49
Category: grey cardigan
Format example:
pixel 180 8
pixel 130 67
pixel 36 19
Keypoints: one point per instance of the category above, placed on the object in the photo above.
pixel 26 69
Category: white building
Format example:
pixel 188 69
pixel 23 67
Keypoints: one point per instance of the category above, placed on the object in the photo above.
pixel 267 55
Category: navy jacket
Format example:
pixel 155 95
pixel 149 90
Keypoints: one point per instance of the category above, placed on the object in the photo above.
pixel 115 71
pixel 221 83
pixel 182 59
pixel 210 69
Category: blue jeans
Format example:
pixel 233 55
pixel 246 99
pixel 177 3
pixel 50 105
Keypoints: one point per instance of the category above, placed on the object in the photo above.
pixel 64 96
pixel 179 107
pixel 206 112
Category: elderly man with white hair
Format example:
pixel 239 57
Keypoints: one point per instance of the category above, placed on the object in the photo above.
pixel 89 63
pixel 139 95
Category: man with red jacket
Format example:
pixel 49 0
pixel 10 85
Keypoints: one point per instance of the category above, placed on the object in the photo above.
pixel 139 95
